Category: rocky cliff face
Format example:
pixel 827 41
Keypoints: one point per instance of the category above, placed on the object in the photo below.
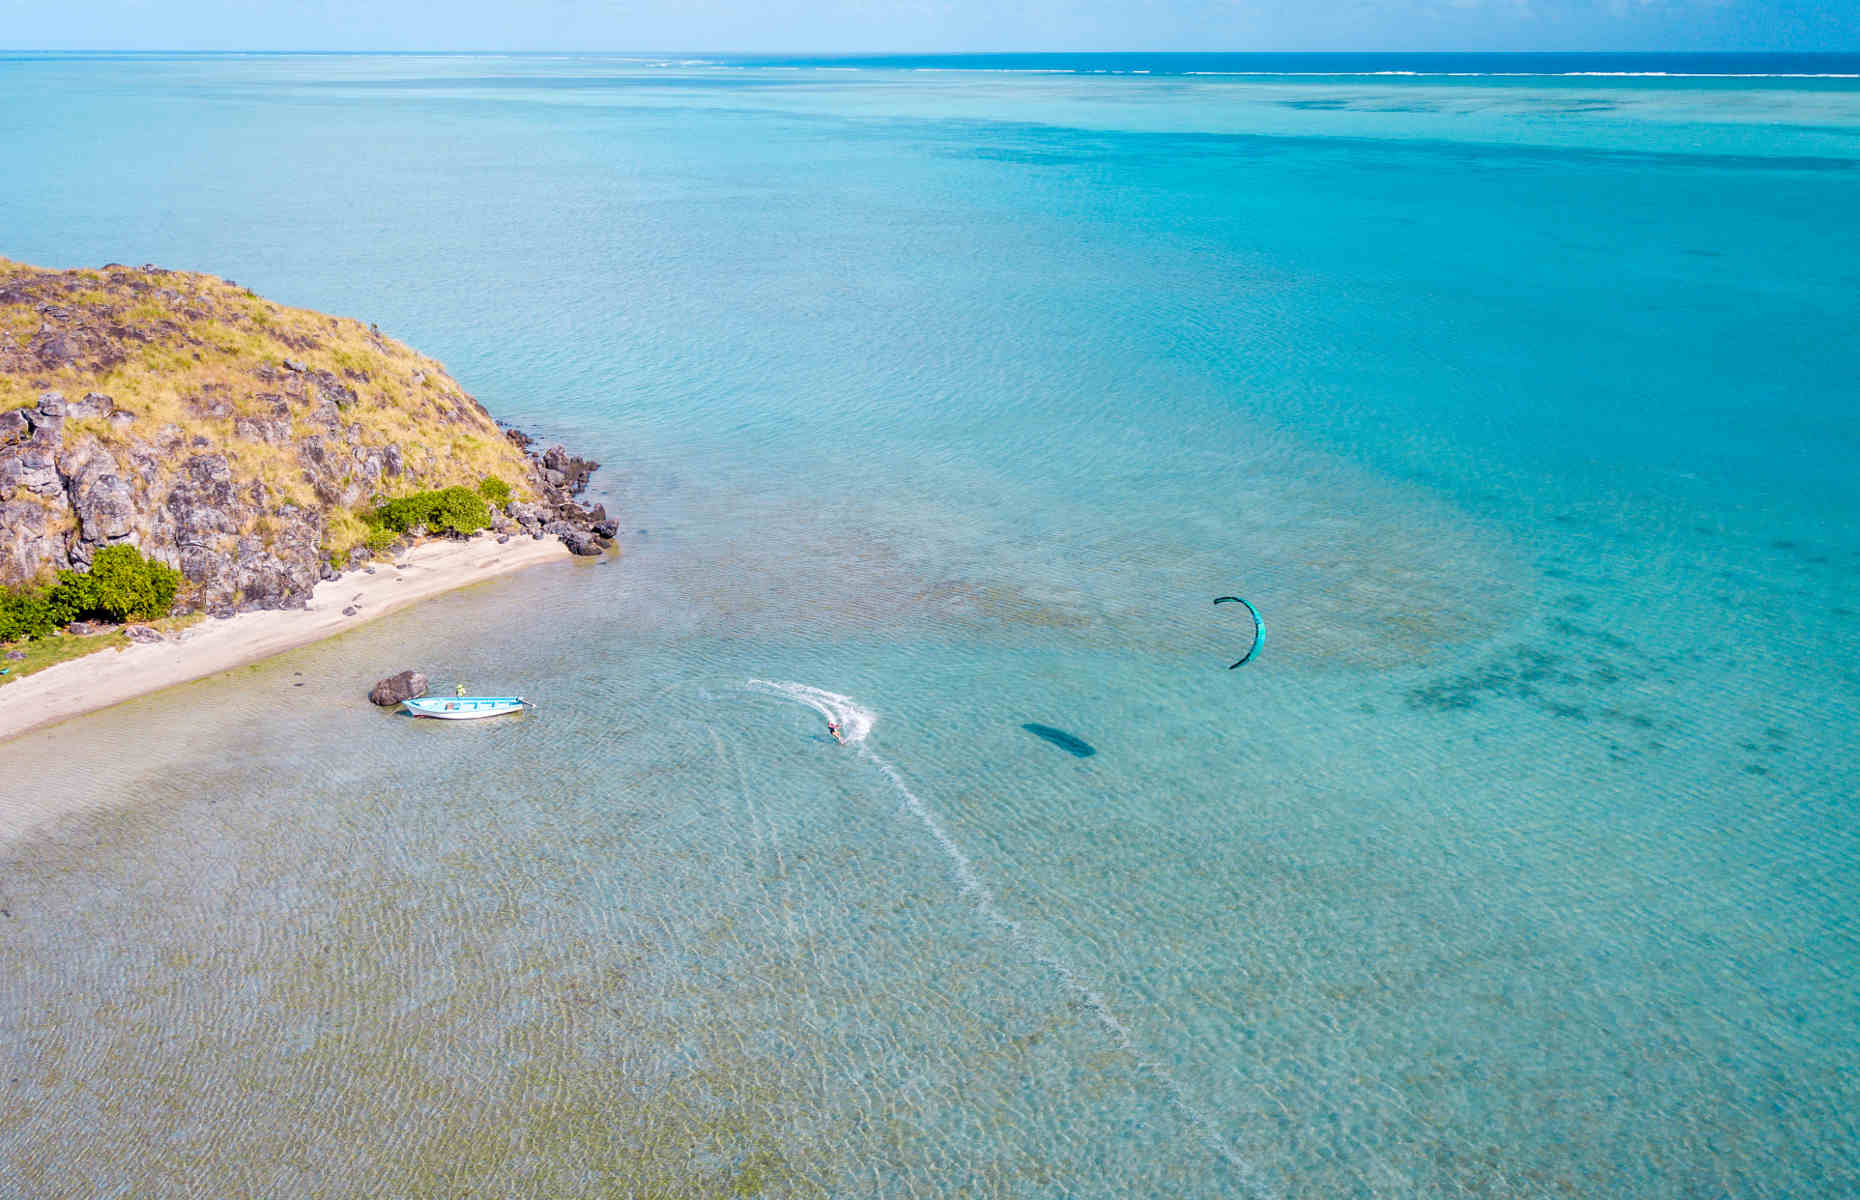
pixel 65 495
pixel 227 436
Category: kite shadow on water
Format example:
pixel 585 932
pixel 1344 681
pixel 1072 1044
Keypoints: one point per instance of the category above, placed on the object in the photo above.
pixel 1077 747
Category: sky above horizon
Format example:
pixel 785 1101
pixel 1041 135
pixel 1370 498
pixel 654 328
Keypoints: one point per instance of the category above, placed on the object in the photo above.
pixel 933 26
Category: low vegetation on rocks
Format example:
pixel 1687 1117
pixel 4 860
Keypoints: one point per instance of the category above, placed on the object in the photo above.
pixel 249 447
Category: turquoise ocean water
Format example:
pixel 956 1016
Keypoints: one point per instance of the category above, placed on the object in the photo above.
pixel 943 396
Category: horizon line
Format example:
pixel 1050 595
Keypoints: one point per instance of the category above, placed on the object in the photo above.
pixel 560 53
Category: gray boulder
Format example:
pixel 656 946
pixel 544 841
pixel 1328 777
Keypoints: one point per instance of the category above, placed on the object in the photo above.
pixel 396 688
pixel 31 540
pixel 202 502
pixel 262 580
pixel 106 510
pixel 93 404
pixel 331 390
pixel 581 541
pixel 12 472
pixel 271 430
pixel 560 468
pixel 38 471
pixel 103 500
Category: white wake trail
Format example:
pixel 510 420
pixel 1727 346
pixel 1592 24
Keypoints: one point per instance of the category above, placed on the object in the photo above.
pixel 851 717
pixel 854 722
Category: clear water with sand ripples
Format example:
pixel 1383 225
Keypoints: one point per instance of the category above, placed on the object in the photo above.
pixel 1523 862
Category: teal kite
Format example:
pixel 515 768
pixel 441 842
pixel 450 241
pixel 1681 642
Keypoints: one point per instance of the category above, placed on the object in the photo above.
pixel 1259 628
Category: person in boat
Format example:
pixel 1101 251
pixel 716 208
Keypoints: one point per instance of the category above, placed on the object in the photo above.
pixel 460 691
pixel 833 727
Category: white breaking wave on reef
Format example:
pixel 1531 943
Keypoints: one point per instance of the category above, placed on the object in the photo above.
pixel 1338 74
pixel 1527 74
pixel 856 721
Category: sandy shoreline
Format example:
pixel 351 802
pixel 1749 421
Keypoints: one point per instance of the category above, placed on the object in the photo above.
pixel 111 677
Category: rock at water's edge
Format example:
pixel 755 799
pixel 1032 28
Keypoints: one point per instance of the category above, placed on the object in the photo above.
pixel 396 688
pixel 581 542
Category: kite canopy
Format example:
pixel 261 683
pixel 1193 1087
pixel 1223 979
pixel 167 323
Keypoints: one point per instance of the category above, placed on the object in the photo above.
pixel 1259 628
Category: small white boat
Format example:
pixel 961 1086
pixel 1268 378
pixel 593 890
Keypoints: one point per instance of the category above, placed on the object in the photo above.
pixel 465 708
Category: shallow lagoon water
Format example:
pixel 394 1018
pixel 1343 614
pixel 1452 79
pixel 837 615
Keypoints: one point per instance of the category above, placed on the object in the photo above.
pixel 1522 862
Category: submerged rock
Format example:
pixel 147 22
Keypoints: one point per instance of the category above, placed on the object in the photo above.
pixel 396 688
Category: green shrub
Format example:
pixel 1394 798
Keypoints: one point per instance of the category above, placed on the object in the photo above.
pixel 455 509
pixel 120 586
pixel 24 615
pixel 460 510
pixel 494 490
pixel 398 516
pixel 70 597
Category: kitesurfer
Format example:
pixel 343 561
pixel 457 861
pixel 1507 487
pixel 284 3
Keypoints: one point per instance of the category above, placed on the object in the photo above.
pixel 833 727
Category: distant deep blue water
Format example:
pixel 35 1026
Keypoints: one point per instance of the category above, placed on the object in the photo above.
pixel 1518 393
pixel 1469 65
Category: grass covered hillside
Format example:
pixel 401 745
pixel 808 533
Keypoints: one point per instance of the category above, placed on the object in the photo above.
pixel 235 439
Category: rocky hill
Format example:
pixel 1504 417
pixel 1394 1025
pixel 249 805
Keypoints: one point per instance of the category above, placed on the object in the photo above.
pixel 233 438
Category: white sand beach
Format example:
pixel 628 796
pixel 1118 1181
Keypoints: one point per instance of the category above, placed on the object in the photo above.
pixel 112 676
